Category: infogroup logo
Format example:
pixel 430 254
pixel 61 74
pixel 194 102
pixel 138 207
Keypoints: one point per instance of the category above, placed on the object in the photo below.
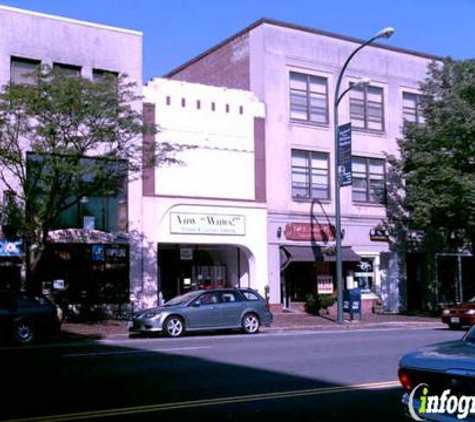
pixel 446 403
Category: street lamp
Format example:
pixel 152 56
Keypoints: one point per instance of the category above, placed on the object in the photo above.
pixel 384 33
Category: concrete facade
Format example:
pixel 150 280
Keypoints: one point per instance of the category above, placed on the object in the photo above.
pixel 273 50
pixel 56 40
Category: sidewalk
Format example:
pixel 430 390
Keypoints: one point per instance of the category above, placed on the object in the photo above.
pixel 282 321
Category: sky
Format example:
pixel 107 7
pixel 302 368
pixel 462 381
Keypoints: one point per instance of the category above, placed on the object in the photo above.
pixel 178 30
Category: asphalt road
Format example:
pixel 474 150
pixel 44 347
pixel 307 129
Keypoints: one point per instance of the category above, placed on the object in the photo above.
pixel 318 376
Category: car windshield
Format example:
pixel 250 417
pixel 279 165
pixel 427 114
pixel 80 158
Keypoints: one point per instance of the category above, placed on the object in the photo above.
pixel 470 336
pixel 181 300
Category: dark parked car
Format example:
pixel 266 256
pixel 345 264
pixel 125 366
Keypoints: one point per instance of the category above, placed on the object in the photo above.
pixel 24 318
pixel 202 310
pixel 456 316
pixel 437 377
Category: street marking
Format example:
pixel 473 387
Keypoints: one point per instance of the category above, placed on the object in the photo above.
pixel 208 402
pixel 130 352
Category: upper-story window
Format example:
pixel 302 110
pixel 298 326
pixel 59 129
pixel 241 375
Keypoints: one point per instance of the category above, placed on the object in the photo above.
pixel 412 108
pixel 310 175
pixel 67 69
pixel 367 108
pixel 100 75
pixel 96 199
pixel 22 70
pixel 308 98
pixel 368 180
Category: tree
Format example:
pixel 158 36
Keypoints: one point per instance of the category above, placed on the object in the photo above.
pixel 437 161
pixel 64 138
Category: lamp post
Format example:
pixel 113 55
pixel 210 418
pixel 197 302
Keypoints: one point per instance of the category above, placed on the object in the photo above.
pixel 384 33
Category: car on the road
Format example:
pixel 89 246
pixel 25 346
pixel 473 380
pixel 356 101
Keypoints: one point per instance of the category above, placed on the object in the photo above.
pixel 25 318
pixel 435 379
pixel 205 310
pixel 456 316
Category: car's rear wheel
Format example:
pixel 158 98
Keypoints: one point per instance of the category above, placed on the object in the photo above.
pixel 250 323
pixel 174 326
pixel 23 332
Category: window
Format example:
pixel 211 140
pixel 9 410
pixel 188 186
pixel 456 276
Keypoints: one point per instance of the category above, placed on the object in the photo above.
pixel 310 175
pixel 250 295
pixel 411 108
pixel 228 297
pixel 94 197
pixel 368 180
pixel 208 298
pixel 364 274
pixel 67 70
pixel 308 98
pixel 367 109
pixel 99 75
pixel 22 71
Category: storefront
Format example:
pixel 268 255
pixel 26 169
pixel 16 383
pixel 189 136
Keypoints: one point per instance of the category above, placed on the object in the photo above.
pixel 193 246
pixel 307 261
pixel 89 266
pixel 303 253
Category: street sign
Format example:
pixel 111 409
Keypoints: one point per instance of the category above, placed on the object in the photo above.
pixel 344 154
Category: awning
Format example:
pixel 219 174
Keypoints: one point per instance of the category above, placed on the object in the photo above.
pixel 347 255
pixel 290 254
pixel 85 236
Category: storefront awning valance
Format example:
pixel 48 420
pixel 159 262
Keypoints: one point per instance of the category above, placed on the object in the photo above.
pixel 86 236
pixel 290 254
pixel 347 255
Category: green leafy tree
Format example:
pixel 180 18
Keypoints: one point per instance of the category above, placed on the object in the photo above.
pixel 63 138
pixel 437 161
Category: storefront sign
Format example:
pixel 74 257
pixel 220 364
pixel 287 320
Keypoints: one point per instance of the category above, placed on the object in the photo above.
pixel 186 254
pixel 307 231
pixel 379 234
pixel 217 224
pixel 10 248
pixel 324 284
pixel 98 253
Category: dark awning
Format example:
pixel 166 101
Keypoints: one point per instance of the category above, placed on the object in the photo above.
pixel 347 255
pixel 290 254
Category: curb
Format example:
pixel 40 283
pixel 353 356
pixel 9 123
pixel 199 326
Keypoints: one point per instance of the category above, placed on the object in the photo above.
pixel 91 335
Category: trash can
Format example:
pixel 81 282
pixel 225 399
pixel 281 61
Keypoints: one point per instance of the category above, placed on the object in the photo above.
pixel 352 302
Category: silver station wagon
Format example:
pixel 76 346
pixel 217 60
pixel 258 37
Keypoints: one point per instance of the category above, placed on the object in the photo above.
pixel 205 310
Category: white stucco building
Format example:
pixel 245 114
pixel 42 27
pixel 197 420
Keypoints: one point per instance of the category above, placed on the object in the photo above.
pixel 204 218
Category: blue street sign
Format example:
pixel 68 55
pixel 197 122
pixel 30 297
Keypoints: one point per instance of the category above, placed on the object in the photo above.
pixel 344 154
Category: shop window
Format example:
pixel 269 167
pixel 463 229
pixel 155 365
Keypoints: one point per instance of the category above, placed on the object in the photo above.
pixel 364 274
pixel 98 196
